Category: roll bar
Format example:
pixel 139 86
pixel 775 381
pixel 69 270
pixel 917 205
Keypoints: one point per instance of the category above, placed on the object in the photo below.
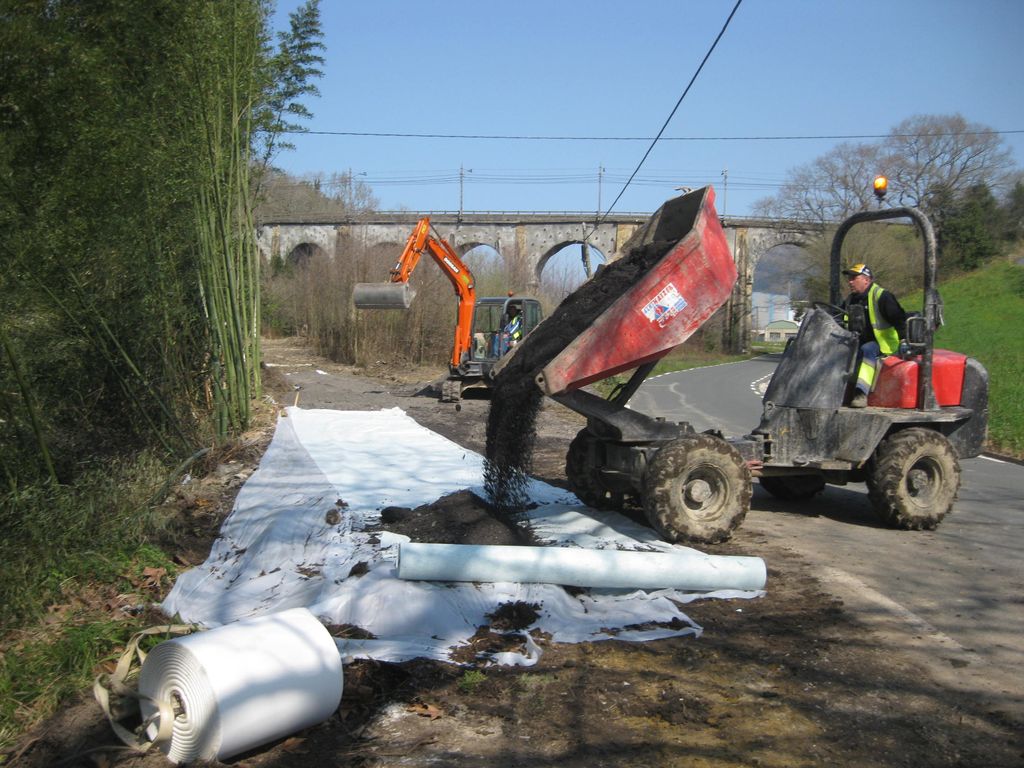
pixel 932 301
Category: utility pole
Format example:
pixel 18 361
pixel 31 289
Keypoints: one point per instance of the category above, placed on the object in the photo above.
pixel 725 189
pixel 462 175
pixel 600 177
pixel 350 190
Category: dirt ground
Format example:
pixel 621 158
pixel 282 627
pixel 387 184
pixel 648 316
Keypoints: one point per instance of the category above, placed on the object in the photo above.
pixel 790 679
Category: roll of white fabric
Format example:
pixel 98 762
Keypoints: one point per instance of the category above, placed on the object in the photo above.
pixel 241 685
pixel 610 568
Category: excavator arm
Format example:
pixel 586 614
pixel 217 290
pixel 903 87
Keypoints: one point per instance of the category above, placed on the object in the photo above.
pixel 397 293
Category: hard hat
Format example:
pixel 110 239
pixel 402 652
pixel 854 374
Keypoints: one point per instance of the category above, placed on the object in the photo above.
pixel 858 269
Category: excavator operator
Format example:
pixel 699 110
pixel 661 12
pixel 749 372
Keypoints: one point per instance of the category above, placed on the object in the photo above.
pixel 513 331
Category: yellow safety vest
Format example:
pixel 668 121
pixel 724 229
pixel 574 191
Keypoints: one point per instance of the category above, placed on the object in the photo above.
pixel 887 336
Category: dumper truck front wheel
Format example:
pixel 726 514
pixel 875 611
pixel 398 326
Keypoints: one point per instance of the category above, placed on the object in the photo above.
pixel 913 479
pixel 697 488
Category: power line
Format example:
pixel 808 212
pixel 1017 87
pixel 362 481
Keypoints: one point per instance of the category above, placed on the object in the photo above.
pixel 512 178
pixel 513 137
pixel 507 177
pixel 670 116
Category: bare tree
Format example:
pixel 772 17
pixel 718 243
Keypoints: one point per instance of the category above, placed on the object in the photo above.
pixel 829 188
pixel 930 160
pixel 933 159
pixel 339 194
pixel 349 193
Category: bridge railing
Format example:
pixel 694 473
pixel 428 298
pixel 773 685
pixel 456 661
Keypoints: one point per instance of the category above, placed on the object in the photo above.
pixel 441 216
pixel 270 217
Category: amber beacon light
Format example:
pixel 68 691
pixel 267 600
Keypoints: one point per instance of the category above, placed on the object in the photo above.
pixel 881 186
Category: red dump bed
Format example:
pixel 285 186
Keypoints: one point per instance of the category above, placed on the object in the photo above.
pixel 897 380
pixel 659 312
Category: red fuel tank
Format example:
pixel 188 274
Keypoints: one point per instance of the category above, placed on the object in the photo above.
pixel 897 380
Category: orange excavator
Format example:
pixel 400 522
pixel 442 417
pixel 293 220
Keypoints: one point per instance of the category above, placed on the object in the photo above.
pixel 481 337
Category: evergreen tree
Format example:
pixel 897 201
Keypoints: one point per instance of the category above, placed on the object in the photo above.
pixel 290 74
pixel 969 235
pixel 1013 213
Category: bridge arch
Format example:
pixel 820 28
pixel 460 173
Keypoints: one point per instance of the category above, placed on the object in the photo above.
pixel 304 253
pixel 482 257
pixel 462 249
pixel 766 240
pixel 750 241
pixel 547 259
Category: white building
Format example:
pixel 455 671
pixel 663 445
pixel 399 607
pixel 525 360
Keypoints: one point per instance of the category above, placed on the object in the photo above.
pixel 767 308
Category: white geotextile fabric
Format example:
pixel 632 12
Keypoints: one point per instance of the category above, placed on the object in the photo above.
pixel 300 524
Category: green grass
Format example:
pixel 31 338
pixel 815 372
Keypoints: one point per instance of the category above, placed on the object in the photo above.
pixel 984 318
pixel 67 554
pixel 768 347
pixel 471 680
pixel 43 670
pixel 89 529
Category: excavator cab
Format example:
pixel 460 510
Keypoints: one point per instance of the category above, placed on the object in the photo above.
pixel 491 318
pixel 488 342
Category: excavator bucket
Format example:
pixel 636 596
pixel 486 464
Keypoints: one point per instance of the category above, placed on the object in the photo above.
pixel 676 271
pixel 383 295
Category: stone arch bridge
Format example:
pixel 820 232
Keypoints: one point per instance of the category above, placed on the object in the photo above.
pixel 526 241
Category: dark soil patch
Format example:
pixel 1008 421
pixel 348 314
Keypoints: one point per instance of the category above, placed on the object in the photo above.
pixel 458 518
pixel 486 642
pixel 516 615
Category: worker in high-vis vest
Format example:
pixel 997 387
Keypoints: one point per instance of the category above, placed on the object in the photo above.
pixel 885 324
pixel 512 334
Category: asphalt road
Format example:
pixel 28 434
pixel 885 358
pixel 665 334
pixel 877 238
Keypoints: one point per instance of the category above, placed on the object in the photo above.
pixel 953 598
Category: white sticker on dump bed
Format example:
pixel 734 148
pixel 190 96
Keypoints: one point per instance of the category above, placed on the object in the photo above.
pixel 666 305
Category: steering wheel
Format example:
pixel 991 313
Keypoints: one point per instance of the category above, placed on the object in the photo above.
pixel 836 313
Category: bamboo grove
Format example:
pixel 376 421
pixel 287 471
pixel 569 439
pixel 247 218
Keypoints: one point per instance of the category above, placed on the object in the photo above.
pixel 133 137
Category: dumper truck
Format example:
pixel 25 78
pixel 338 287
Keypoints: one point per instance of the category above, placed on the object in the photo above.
pixel 929 408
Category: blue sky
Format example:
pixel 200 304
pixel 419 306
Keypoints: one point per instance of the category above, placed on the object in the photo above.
pixel 617 69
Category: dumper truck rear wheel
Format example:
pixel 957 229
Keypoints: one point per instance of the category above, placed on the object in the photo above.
pixel 697 488
pixel 913 479
pixel 582 470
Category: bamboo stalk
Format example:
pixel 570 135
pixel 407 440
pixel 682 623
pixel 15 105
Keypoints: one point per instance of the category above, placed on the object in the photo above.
pixel 29 400
pixel 227 254
pixel 101 334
